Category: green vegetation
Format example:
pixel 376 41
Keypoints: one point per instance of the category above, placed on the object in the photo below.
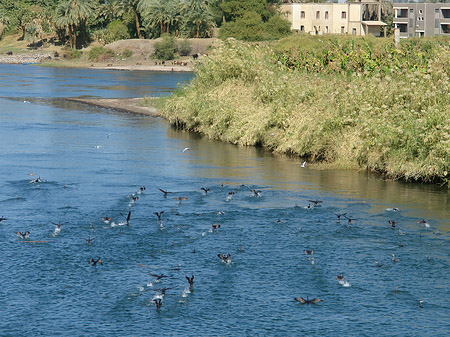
pixel 184 47
pixel 393 120
pixel 76 23
pixel 100 53
pixel 165 49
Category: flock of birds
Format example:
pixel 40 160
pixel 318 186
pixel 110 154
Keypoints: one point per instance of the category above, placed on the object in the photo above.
pixel 224 258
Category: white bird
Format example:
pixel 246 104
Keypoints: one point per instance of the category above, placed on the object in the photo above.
pixel 304 164
pixel 186 149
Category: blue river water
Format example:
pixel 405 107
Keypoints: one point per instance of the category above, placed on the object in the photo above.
pixel 73 164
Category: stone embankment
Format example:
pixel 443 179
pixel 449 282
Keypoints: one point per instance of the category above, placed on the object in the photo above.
pixel 26 58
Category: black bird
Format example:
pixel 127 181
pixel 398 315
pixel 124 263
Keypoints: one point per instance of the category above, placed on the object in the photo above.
pixel 94 262
pixel 162 290
pixel 339 215
pixel 224 258
pixel 142 189
pixel 58 225
pixel 309 252
pixel 190 280
pixel 2 219
pixel 340 277
pixel 420 304
pixel 134 198
pixel 206 190
pixel 158 303
pixel 159 215
pixel 214 227
pixel 128 218
pixel 159 277
pixel 349 219
pixel 256 193
pixel 23 235
pixel 165 192
pixel 307 301
pixel 89 240
pixel 378 264
pixel 316 202
pixel 393 223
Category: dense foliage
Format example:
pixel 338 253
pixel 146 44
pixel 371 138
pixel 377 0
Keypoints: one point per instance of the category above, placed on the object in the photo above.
pixel 396 122
pixel 77 22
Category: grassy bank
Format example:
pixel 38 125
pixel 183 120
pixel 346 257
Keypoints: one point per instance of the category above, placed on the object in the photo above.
pixel 393 119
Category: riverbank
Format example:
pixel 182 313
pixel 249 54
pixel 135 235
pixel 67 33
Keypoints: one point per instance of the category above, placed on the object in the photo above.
pixel 126 55
pixel 347 111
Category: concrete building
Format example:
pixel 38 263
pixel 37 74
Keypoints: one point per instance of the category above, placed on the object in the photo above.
pixel 331 18
pixel 422 19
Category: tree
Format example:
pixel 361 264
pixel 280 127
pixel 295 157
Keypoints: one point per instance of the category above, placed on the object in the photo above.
pixel 72 14
pixel 134 6
pixel 198 13
pixel 162 13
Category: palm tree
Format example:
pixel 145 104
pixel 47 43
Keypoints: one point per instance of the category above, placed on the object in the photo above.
pixel 160 12
pixel 198 13
pixel 125 6
pixel 72 14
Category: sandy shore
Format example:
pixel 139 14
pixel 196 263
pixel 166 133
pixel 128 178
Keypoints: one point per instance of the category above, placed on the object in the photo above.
pixel 122 104
pixel 48 59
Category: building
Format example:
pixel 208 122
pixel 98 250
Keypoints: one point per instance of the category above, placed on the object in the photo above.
pixel 422 19
pixel 331 18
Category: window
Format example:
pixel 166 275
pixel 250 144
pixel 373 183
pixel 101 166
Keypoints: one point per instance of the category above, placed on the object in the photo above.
pixel 302 28
pixel 420 11
pixel 445 28
pixel 403 27
pixel 318 15
pixel 353 31
pixel 342 30
pixel 326 29
pixel 343 15
pixel 446 13
pixel 302 14
pixel 326 15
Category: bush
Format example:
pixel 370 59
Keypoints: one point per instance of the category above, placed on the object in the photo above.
pixel 184 47
pixel 116 31
pixel 126 53
pixel 248 28
pixel 98 54
pixel 73 54
pixel 165 49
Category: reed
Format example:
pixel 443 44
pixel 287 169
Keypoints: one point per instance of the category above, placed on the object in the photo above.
pixel 396 122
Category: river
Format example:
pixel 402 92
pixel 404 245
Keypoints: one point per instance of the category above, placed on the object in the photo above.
pixel 72 164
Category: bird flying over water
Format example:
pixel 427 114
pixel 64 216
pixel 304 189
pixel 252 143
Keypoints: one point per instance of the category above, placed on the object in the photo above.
pixel 23 235
pixel 190 280
pixel 225 258
pixel 162 290
pixel 165 192
pixel 2 219
pixel 94 262
pixel 316 202
pixel 206 190
pixel 159 277
pixel 159 215
pixel 89 240
pixel 158 303
pixel 308 301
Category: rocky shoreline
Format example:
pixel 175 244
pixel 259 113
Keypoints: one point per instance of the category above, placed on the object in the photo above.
pixel 26 58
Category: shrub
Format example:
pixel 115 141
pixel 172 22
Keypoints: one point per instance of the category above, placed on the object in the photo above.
pixel 165 48
pixel 184 47
pixel 100 54
pixel 73 54
pixel 116 31
pixel 126 53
